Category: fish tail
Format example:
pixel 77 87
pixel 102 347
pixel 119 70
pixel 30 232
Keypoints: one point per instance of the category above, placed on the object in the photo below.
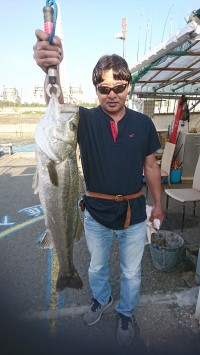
pixel 72 281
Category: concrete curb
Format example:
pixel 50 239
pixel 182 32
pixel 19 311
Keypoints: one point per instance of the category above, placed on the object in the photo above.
pixel 187 297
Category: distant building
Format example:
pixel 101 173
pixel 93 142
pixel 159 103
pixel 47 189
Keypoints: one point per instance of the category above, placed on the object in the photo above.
pixel 65 93
pixel 75 94
pixel 10 94
pixel 38 95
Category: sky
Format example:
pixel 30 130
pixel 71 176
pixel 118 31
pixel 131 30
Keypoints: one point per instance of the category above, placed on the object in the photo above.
pixel 89 28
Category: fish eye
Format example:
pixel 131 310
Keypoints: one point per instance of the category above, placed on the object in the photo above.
pixel 72 126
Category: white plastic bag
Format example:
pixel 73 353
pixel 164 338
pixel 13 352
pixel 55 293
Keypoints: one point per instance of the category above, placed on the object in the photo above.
pixel 152 227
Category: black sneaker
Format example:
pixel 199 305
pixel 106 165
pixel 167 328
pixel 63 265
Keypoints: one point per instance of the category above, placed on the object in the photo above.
pixel 126 330
pixel 95 310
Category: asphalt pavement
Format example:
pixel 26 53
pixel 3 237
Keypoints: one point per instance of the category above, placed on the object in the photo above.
pixel 35 319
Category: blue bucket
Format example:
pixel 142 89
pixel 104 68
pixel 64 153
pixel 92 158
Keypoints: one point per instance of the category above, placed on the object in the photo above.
pixel 175 176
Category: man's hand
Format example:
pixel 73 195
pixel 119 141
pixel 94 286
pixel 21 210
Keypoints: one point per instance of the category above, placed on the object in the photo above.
pixel 46 54
pixel 157 213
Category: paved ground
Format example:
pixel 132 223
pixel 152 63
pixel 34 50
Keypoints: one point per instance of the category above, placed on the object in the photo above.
pixel 36 320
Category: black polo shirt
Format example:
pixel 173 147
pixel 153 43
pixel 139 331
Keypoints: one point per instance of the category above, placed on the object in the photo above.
pixel 113 162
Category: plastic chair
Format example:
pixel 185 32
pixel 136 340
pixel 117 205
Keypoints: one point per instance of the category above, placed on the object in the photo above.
pixel 165 163
pixel 186 194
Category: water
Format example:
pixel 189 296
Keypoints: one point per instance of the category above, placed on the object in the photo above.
pixel 22 142
pixel 24 148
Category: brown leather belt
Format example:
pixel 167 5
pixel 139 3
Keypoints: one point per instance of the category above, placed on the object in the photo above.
pixel 117 198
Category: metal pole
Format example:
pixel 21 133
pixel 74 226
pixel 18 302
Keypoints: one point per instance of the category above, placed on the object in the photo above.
pixel 124 35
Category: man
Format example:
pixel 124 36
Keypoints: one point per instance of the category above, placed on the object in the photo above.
pixel 116 144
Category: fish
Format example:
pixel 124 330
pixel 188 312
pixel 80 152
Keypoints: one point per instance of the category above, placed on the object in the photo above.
pixel 59 183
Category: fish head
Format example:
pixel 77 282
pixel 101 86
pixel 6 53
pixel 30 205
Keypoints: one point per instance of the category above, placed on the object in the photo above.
pixel 64 135
pixel 56 132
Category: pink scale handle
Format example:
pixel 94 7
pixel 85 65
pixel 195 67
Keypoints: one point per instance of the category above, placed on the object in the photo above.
pixel 48 19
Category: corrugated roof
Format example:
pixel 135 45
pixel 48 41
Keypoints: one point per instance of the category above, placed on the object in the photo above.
pixel 172 68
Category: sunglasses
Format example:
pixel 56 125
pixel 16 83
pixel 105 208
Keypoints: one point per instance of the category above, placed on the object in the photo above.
pixel 117 89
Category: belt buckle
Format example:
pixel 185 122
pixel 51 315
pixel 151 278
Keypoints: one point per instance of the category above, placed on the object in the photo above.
pixel 118 198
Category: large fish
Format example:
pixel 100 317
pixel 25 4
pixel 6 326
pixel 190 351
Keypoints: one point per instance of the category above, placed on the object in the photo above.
pixel 59 184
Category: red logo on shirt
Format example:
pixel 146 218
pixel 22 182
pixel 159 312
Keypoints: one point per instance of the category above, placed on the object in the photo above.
pixel 131 135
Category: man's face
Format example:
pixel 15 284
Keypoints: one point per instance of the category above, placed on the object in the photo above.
pixel 112 103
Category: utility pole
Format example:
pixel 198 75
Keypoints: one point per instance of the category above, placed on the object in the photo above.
pixel 122 35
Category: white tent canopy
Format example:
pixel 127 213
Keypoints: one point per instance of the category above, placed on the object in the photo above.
pixel 172 68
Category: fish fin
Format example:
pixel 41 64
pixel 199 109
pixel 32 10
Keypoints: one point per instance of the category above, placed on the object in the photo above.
pixel 79 228
pixel 46 242
pixel 53 175
pixel 35 184
pixel 73 281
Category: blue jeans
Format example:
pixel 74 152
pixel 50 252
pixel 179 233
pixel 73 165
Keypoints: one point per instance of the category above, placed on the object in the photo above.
pixel 131 247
